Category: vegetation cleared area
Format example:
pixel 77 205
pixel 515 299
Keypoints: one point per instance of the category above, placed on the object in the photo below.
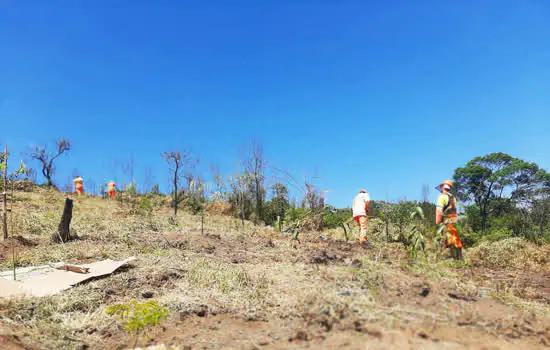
pixel 242 265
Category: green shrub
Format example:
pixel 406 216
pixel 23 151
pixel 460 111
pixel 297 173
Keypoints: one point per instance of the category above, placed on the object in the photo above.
pixel 470 239
pixel 498 234
pixel 334 218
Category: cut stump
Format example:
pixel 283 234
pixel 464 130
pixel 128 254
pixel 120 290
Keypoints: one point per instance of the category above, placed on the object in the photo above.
pixel 63 233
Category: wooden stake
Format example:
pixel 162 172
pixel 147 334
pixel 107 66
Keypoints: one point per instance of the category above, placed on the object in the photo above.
pixel 5 194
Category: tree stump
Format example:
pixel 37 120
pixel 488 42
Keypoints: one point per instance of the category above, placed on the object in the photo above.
pixel 64 233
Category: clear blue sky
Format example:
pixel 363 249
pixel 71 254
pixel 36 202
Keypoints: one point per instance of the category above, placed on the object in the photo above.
pixel 385 95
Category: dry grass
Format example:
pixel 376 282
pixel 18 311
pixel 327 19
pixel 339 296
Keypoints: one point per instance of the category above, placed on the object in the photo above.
pixel 251 273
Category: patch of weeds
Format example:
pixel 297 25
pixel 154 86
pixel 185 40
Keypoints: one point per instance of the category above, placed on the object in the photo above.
pixel 173 221
pixel 456 264
pixel 32 223
pixel 370 276
pixel 434 270
pixel 160 252
pixel 326 314
pixel 50 215
pixel 54 309
pixel 260 290
pixel 508 297
pixel 213 275
pixel 147 249
pixel 227 279
pixel 8 264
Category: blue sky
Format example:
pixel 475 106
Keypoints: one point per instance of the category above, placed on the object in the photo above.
pixel 385 95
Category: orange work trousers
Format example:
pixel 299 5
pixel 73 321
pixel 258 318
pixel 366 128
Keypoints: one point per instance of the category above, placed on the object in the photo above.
pixel 112 194
pixel 80 189
pixel 452 235
pixel 361 220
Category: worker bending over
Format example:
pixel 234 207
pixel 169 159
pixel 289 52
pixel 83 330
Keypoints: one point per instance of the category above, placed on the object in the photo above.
pixel 78 185
pixel 360 208
pixel 111 190
pixel 446 212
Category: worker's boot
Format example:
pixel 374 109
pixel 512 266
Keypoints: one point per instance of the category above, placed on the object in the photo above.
pixel 453 252
pixel 363 242
pixel 459 254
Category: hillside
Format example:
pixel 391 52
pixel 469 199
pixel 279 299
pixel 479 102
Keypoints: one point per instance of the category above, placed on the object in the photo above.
pixel 252 287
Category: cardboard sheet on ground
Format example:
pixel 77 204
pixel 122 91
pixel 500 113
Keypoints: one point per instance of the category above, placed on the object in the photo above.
pixel 40 281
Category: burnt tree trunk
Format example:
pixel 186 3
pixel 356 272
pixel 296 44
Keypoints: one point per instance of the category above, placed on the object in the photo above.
pixel 64 231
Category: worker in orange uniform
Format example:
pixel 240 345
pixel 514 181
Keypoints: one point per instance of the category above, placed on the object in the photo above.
pixel 360 208
pixel 111 190
pixel 78 185
pixel 446 212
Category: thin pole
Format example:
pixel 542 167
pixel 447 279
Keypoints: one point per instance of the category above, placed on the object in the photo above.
pixel 5 194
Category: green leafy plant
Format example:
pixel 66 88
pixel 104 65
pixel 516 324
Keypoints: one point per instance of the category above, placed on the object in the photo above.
pixel 138 317
pixel 293 222
pixel 415 241
pixel 295 229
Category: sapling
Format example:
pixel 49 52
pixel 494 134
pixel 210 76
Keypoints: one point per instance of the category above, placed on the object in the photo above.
pixel 138 317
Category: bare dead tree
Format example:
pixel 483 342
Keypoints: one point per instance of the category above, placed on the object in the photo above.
pixel 30 175
pixel 128 169
pixel 75 173
pixel 425 193
pixel 92 187
pixel 148 179
pixel 47 159
pixel 189 177
pixel 68 186
pixel 240 185
pixel 254 167
pixel 314 200
pixel 220 190
pixel 179 162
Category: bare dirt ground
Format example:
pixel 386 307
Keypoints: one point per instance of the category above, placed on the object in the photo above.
pixel 252 287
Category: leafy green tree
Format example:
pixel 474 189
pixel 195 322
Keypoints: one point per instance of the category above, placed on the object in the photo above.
pixel 383 211
pixel 195 195
pixel 254 168
pixel 540 214
pixel 279 202
pixel 495 180
pixel 401 215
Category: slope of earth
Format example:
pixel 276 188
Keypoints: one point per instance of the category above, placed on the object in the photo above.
pixel 229 286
